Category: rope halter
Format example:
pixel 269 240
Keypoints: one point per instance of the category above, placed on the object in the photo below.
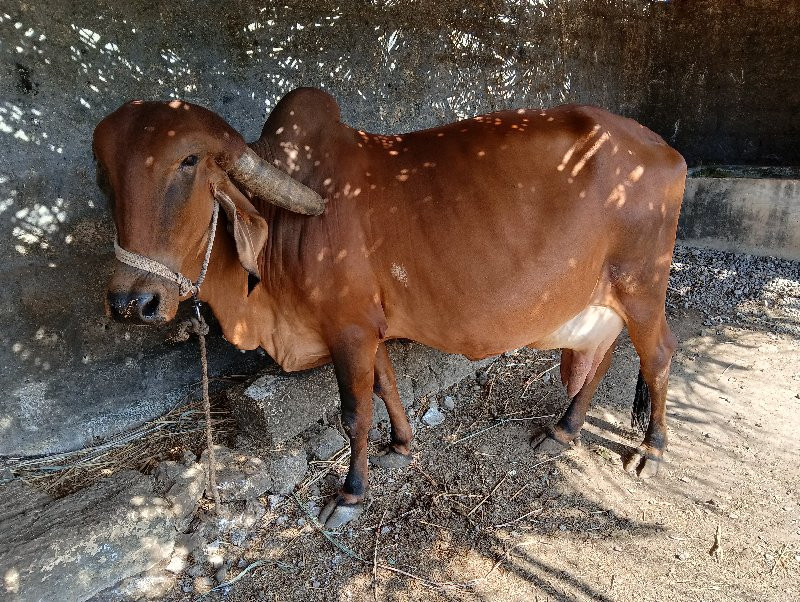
pixel 185 286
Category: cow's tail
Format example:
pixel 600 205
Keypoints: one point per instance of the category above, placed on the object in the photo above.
pixel 640 413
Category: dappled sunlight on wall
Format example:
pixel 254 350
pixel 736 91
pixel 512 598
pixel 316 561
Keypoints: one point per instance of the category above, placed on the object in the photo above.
pixel 75 70
pixel 391 68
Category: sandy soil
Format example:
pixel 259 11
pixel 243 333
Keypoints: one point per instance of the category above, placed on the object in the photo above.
pixel 482 518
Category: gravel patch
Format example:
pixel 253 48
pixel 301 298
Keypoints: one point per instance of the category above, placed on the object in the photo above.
pixel 736 288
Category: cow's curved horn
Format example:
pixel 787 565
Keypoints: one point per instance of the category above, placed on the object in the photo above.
pixel 265 181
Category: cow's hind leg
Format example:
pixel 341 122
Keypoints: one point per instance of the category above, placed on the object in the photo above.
pixel 353 354
pixel 655 345
pixel 554 440
pixel 398 453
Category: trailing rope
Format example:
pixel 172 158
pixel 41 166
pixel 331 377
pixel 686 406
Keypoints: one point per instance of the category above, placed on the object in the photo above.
pixel 196 325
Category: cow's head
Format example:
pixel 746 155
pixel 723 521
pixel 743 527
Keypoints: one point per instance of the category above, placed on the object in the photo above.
pixel 162 164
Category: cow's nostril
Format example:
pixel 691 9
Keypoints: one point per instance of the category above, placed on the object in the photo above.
pixel 141 308
pixel 149 305
pixel 119 305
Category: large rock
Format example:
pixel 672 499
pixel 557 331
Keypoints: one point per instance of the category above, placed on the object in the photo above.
pixel 244 477
pixel 182 484
pixel 422 371
pixel 80 545
pixel 18 499
pixel 278 406
pixel 288 468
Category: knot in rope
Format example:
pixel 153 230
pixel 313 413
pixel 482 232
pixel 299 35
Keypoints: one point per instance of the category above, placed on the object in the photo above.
pixel 188 327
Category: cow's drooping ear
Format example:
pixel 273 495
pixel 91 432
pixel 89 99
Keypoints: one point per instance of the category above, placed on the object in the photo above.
pixel 249 229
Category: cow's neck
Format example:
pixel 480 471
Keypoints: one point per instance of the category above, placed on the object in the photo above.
pixel 257 320
pixel 225 291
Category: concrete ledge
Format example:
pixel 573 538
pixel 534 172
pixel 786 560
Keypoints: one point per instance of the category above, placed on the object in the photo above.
pixel 743 209
pixel 35 418
pixel 77 546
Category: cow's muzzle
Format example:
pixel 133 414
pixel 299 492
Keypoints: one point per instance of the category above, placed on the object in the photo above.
pixel 148 307
pixel 136 308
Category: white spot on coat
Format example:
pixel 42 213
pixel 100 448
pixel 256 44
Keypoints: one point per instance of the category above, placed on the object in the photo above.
pixel 400 274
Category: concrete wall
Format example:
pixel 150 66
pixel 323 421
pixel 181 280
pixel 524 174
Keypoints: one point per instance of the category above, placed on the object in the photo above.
pixel 717 79
pixel 747 210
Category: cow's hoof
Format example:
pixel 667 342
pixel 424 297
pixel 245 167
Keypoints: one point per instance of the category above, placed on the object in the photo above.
pixel 545 443
pixel 337 513
pixel 645 464
pixel 391 459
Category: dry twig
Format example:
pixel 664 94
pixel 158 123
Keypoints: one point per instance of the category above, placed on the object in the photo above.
pixel 140 448
pixel 339 458
pixel 519 518
pixel 246 570
pixel 533 379
pixel 779 558
pixel 343 548
pixel 716 549
pixel 488 495
pixel 495 425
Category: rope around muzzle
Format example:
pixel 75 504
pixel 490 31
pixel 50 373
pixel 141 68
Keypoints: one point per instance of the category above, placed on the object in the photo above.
pixel 185 286
pixel 196 325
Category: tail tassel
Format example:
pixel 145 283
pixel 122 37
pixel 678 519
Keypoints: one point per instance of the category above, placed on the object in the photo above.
pixel 640 413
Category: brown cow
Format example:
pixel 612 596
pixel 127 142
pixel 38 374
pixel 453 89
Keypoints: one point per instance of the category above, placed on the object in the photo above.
pixel 547 228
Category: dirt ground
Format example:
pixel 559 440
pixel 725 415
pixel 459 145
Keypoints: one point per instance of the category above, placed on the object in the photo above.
pixel 478 516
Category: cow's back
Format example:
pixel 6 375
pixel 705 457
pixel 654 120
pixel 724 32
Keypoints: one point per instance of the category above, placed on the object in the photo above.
pixel 463 234
pixel 480 221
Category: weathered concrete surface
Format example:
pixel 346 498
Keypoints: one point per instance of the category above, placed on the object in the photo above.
pixel 324 442
pixel 241 476
pixel 743 210
pixel 154 584
pixel 288 468
pixel 19 499
pixel 63 406
pixel 276 407
pixel 82 544
pixel 718 79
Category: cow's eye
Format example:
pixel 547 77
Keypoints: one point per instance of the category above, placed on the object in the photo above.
pixel 189 161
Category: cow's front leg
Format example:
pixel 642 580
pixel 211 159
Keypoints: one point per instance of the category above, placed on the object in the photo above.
pixel 353 353
pixel 398 453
